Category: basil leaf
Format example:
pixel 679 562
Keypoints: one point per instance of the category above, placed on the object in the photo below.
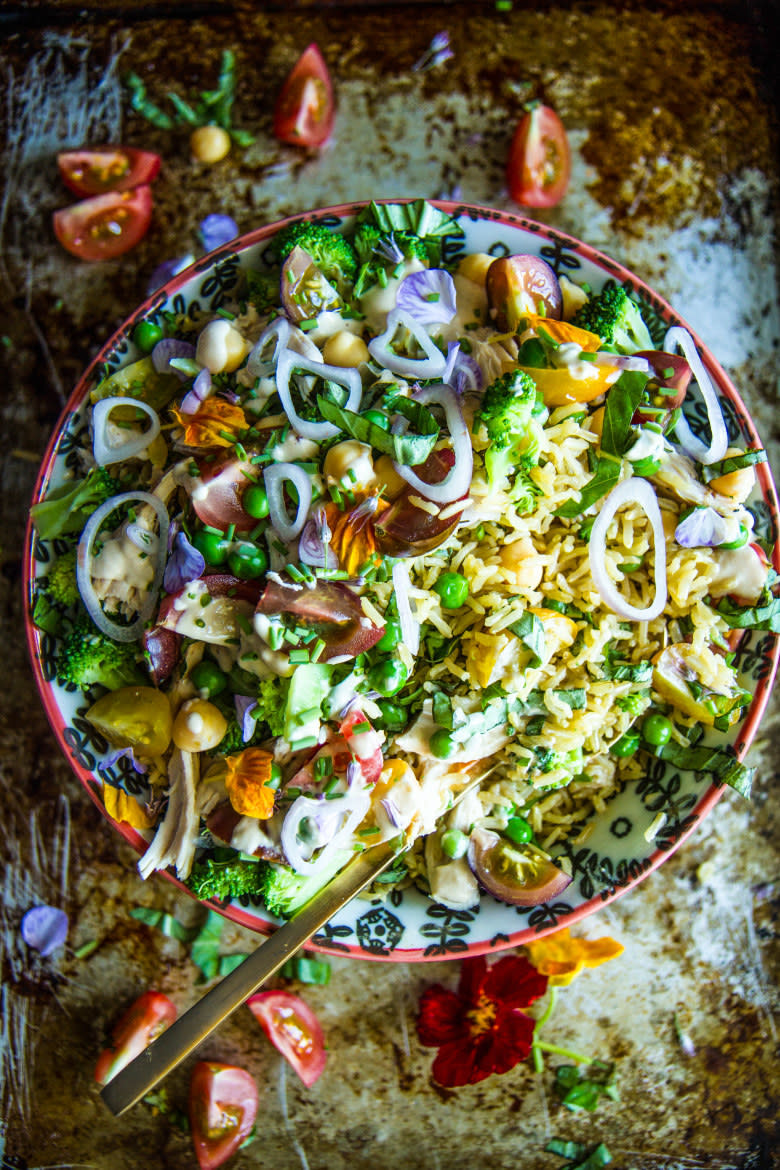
pixel 599 1156
pixel 718 762
pixel 408 449
pixel 733 463
pixel 204 951
pixel 530 630
pixel 617 669
pixel 565 1149
pixel 583 1090
pixel 535 705
pixel 622 400
pixel 764 616
pixel 606 477
pixel 442 710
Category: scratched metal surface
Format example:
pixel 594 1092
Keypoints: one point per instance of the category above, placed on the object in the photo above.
pixel 670 110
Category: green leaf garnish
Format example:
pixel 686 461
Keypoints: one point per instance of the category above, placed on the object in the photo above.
pixel 410 449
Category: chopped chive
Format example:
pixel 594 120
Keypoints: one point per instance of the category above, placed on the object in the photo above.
pixel 275 637
pixel 332 785
pixel 323 767
pixel 277 544
pixel 244 623
pixel 257 531
pixel 298 656
pixel 369 832
pixel 317 650
pixel 358 727
pixel 295 573
pixel 231 532
pixel 226 314
pixel 240 450
pixel 308 324
pixel 231 438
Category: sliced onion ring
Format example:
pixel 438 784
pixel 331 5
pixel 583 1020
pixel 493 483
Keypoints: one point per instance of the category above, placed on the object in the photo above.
pixel 634 490
pixel 432 365
pixel 275 478
pixel 279 332
pixel 84 565
pixel 457 481
pixel 719 440
pixel 342 376
pixel 107 453
pixel 410 627
pixel 354 804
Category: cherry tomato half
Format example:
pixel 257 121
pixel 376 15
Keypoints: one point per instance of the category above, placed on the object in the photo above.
pixel 143 1022
pixel 105 226
pixel 107 168
pixel 223 1108
pixel 293 1028
pixel 305 109
pixel 539 163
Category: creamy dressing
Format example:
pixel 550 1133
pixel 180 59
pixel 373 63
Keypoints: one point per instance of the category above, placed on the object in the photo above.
pixel 649 445
pixel 740 571
pixel 378 301
pixel 471 308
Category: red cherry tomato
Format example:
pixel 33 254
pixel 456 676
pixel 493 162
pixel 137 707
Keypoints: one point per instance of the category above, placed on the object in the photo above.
pixel 305 109
pixel 105 226
pixel 223 1108
pixel 293 1028
pixel 143 1022
pixel 107 168
pixel 539 163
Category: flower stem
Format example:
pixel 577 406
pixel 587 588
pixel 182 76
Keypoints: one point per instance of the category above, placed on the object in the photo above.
pixel 544 1017
pixel 557 1051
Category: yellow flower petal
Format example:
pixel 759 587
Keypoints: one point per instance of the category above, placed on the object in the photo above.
pixel 214 424
pixel 561 957
pixel 120 806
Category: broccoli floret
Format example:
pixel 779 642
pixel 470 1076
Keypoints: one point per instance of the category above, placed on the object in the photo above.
pixel 332 254
pixel 616 319
pixel 89 656
pixel 285 891
pixel 67 508
pixel 272 701
pixel 506 410
pixel 61 584
pixel 226 879
pixel 233 739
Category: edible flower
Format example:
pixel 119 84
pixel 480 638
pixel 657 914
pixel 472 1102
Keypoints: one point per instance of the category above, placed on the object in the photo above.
pixel 480 1029
pixel 166 271
pixel 561 957
pixel 247 783
pixel 216 230
pixel 44 928
pixel 428 296
pixel 246 714
pixel 120 806
pixel 352 533
pixel 462 372
pixel 215 423
pixel 186 564
pixel 437 53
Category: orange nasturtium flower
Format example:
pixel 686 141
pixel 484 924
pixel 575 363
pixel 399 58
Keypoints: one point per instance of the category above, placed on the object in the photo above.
pixel 216 423
pixel 120 806
pixel 248 774
pixel 352 533
pixel 561 957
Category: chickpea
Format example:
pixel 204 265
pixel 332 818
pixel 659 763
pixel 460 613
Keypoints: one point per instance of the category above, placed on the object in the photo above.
pixel 521 558
pixel 350 456
pixel 209 144
pixel 221 348
pixel 474 266
pixel 345 349
pixel 388 477
pixel 198 726
pixel 737 485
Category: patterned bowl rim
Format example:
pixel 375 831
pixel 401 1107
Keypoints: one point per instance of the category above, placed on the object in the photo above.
pixel 747 730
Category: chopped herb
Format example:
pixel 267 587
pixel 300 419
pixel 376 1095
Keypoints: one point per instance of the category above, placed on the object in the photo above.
pixel 583 1089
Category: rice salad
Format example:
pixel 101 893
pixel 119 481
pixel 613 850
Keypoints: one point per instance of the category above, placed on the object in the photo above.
pixel 393 518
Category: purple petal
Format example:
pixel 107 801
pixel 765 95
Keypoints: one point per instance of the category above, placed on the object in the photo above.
pixel 314 539
pixel 428 296
pixel 246 714
pixel 216 230
pixel 163 272
pixel 120 754
pixel 186 564
pixel 703 528
pixel 389 250
pixel 169 348
pixel 44 928
pixel 462 372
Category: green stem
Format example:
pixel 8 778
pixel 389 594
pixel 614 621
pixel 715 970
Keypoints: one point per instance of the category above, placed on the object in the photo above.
pixel 544 1017
pixel 557 1051
pixel 538 1061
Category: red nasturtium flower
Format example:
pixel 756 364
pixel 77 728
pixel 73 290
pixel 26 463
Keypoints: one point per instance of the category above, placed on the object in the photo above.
pixel 481 1028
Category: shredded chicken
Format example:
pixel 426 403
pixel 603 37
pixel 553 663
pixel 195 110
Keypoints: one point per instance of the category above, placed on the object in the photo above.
pixel 174 841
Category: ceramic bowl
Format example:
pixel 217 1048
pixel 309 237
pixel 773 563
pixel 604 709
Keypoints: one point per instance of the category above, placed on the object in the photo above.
pixel 623 846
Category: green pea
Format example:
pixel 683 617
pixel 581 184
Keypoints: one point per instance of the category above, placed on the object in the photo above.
pixel 248 561
pixel 392 714
pixel 454 843
pixel 442 744
pixel 387 676
pixel 207 676
pixel 213 546
pixel 275 778
pixel 657 730
pixel 391 636
pixel 146 335
pixel 255 501
pixel 519 831
pixel 378 418
pixel 453 589
pixel 626 745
